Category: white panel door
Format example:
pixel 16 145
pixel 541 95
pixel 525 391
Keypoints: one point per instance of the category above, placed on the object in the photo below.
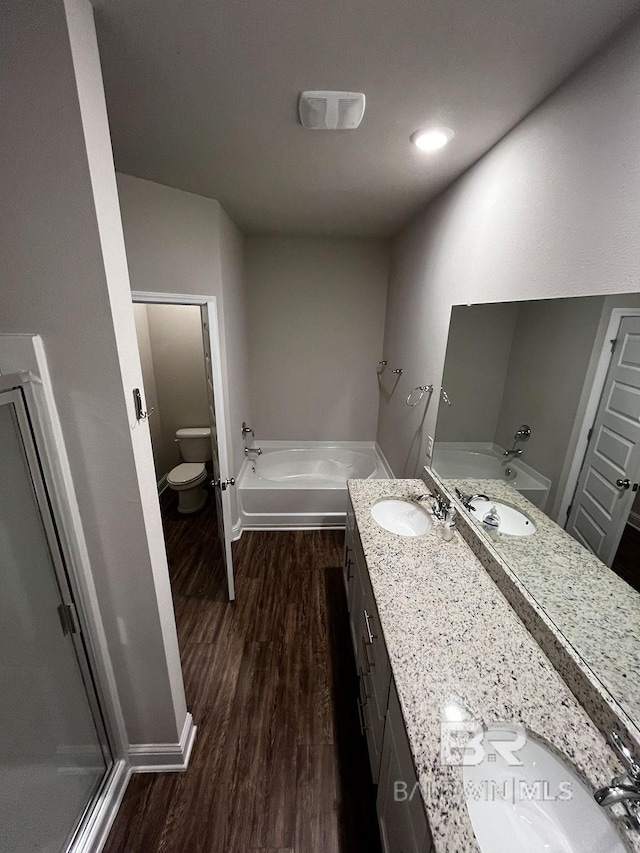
pixel 611 468
pixel 222 483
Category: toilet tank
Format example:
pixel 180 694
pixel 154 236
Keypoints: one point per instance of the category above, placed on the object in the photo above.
pixel 194 443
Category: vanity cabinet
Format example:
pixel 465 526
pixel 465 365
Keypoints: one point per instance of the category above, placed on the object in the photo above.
pixel 403 823
pixel 372 660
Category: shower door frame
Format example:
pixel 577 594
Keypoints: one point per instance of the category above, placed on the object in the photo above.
pixel 15 394
pixel 23 366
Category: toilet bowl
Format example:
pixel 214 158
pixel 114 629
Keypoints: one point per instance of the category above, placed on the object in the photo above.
pixel 187 477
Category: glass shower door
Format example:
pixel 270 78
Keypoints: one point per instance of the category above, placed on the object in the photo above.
pixel 53 757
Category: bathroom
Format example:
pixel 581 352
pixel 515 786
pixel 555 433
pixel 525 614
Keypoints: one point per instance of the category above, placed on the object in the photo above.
pixel 175 390
pixel 252 684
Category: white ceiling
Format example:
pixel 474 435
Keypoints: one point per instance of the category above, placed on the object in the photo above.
pixel 202 95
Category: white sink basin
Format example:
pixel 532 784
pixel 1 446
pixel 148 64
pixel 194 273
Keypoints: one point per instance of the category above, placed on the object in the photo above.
pixel 513 521
pixel 403 517
pixel 540 806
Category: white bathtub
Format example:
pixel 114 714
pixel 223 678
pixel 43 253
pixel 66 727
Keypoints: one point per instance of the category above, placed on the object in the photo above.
pixel 485 461
pixel 303 484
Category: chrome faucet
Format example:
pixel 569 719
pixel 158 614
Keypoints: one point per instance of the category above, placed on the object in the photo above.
pixel 440 505
pixel 466 499
pixel 515 451
pixel 612 794
pixel 246 432
pixel 623 789
pixel 522 434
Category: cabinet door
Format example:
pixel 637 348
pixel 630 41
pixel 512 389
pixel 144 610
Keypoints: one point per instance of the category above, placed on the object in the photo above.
pixel 373 666
pixel 376 659
pixel 401 816
pixel 373 715
pixel 349 569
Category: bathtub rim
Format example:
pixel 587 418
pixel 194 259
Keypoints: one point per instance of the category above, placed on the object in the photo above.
pixel 490 448
pixel 244 482
pixel 302 520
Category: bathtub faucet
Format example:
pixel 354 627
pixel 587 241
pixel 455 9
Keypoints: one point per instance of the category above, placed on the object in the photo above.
pixel 249 450
pixel 522 434
pixel 515 451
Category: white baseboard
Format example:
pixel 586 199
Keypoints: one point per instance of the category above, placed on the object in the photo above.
pixel 94 834
pixel 162 484
pixel 634 519
pixel 164 757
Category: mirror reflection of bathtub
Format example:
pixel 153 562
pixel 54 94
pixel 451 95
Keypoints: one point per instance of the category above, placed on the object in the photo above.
pixel 484 460
pixel 303 484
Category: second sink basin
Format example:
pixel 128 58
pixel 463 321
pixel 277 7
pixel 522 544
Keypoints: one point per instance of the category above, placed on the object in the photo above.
pixel 402 517
pixel 537 806
pixel 513 521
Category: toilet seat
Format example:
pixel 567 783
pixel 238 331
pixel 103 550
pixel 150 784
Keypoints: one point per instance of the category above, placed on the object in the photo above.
pixel 186 474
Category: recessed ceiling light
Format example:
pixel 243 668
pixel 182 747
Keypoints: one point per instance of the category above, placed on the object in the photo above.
pixel 432 139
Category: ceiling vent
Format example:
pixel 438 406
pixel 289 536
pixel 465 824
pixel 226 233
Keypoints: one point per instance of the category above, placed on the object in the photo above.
pixel 331 110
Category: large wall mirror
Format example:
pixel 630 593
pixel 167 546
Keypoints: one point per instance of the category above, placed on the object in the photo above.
pixel 541 445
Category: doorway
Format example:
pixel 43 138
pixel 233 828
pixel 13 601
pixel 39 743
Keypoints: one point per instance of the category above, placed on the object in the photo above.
pixel 213 403
pixel 606 494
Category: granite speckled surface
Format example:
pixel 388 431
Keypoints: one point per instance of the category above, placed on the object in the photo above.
pixel 452 638
pixel 597 611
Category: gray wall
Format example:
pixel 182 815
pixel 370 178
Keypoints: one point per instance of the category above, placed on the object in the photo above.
pixel 172 356
pixel 162 456
pixel 178 242
pixel 552 345
pixel 178 359
pixel 65 278
pixel 316 318
pixel 552 210
pixel 477 360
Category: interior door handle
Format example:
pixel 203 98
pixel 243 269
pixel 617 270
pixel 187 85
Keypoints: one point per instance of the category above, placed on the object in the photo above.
pixel 223 483
pixel 623 484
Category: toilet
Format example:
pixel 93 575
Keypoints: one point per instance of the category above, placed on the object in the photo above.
pixel 188 477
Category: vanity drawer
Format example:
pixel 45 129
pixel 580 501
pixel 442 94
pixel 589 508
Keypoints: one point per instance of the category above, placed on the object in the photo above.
pixel 374 716
pixel 373 729
pixel 401 815
pixel 374 657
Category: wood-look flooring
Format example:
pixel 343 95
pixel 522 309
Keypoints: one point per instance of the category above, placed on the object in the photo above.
pixel 627 559
pixel 279 764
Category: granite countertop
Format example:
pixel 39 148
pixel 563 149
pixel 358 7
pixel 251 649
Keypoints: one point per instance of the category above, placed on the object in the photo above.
pixel 596 611
pixel 453 639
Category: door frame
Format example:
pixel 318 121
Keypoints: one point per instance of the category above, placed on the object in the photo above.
pixel 591 410
pixel 210 303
